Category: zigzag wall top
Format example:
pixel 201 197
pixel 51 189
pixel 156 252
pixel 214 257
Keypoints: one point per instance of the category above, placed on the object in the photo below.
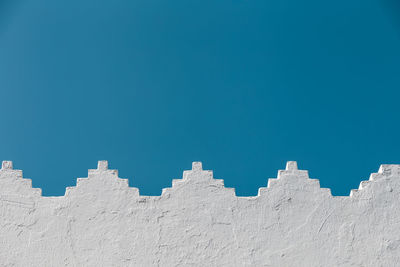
pixel 199 222
pixel 12 177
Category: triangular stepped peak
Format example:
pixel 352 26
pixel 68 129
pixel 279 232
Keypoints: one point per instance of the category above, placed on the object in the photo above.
pixel 198 179
pixel 13 183
pixel 101 180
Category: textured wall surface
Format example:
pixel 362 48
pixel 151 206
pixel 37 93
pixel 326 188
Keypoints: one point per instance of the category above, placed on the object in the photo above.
pixel 198 222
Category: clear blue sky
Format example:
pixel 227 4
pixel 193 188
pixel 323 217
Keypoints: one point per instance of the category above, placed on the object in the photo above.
pixel 241 85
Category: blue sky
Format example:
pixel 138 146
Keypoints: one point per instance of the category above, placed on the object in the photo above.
pixel 242 86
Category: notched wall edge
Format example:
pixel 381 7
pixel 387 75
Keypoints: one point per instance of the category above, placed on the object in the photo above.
pixel 13 178
pixel 102 221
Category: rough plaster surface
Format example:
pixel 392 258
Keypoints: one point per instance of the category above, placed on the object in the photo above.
pixel 198 222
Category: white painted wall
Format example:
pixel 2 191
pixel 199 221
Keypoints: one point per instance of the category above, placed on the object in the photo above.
pixel 199 222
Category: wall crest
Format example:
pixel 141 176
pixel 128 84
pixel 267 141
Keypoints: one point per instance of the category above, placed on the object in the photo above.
pixel 199 222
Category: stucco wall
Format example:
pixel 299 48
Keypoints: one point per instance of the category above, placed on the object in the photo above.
pixel 198 222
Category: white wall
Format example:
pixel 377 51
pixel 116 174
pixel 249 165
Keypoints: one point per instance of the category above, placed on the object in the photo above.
pixel 199 222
